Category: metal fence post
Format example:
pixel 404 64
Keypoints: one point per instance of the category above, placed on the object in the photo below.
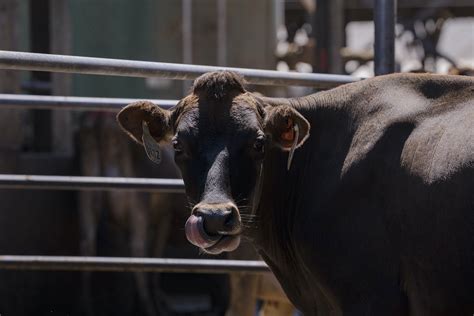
pixel 385 12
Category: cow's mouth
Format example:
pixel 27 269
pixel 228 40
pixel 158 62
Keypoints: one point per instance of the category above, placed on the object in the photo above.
pixel 210 243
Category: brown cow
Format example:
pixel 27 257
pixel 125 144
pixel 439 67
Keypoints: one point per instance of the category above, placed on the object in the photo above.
pixel 104 152
pixel 373 214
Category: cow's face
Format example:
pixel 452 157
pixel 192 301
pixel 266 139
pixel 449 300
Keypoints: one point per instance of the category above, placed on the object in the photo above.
pixel 220 134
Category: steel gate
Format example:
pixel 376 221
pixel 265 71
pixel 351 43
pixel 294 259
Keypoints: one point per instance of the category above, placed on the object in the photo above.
pixel 384 11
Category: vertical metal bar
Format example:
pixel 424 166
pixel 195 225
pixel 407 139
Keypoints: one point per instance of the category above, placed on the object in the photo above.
pixel 60 28
pixel 187 31
pixel 321 25
pixel 337 36
pixel 12 137
pixel 279 8
pixel 384 23
pixel 40 39
pixel 221 32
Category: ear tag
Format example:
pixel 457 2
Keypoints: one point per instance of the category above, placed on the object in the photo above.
pixel 152 148
pixel 293 146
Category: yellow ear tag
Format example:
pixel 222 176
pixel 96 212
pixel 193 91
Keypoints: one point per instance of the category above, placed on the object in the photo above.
pixel 293 146
pixel 152 148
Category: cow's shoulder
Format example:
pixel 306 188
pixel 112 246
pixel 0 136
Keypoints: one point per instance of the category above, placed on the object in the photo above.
pixel 441 144
pixel 429 117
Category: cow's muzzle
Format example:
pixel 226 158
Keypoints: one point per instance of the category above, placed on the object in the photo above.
pixel 214 227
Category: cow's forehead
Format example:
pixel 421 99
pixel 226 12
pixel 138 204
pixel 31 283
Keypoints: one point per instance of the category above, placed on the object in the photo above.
pixel 240 113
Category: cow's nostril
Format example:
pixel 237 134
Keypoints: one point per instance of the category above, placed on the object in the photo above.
pixel 229 221
pixel 214 222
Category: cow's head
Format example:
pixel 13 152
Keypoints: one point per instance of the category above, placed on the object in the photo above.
pixel 220 133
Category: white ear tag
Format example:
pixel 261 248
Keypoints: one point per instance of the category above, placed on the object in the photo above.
pixel 152 148
pixel 293 146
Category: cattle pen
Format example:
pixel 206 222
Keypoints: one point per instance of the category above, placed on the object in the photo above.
pixel 384 13
pixel 44 62
pixel 87 65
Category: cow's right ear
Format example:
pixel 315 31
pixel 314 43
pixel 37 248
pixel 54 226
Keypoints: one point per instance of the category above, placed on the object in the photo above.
pixel 132 117
pixel 147 124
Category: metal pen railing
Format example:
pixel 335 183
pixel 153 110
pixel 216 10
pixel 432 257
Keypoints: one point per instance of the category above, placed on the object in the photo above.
pixel 47 102
pixel 121 264
pixel 133 68
pixel 19 181
pixel 118 67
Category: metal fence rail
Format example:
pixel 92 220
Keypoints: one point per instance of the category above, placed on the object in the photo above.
pixel 13 181
pixel 60 263
pixel 132 68
pixel 43 102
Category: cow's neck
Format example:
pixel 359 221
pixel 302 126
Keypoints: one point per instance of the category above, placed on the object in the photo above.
pixel 288 195
pixel 283 191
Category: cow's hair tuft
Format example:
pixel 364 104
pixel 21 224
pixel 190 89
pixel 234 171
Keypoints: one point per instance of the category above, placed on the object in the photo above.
pixel 219 84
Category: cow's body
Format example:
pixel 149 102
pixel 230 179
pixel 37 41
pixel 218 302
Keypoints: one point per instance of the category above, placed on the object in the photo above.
pixel 375 215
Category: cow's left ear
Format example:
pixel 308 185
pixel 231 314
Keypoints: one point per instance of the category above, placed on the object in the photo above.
pixel 287 128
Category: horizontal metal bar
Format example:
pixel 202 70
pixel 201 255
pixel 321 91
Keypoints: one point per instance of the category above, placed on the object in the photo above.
pixel 119 264
pixel 43 102
pixel 132 68
pixel 13 181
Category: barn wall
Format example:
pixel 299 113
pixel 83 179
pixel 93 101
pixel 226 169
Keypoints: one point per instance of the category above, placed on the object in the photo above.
pixel 114 29
pixel 152 30
pixel 11 138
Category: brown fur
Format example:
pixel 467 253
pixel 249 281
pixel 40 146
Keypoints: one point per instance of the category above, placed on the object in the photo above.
pixel 219 85
pixel 131 121
pixel 374 216
pixel 245 288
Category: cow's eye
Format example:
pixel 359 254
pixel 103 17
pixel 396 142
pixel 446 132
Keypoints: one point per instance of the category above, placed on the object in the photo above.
pixel 177 146
pixel 259 145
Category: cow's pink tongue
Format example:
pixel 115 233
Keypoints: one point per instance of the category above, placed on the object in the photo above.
pixel 196 234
